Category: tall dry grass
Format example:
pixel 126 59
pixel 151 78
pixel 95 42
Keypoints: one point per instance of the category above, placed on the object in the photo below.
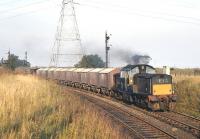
pixel 188 90
pixel 34 108
pixel 4 70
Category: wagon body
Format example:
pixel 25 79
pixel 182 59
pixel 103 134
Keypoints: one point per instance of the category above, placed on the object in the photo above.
pixel 85 78
pixel 94 76
pixel 62 74
pixel 69 74
pixel 50 73
pixel 45 73
pixel 42 72
pixel 39 72
pixel 56 74
pixel 106 77
pixel 77 75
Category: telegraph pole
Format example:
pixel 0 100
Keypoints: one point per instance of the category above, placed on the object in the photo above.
pixel 9 56
pixel 26 58
pixel 9 60
pixel 107 48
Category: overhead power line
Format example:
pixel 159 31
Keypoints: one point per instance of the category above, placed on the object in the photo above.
pixel 23 14
pixel 140 10
pixel 24 6
pixel 131 12
pixel 117 8
pixel 9 2
pixel 18 15
pixel 169 3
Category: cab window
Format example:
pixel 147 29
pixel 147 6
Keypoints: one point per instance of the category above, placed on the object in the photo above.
pixel 150 70
pixel 162 79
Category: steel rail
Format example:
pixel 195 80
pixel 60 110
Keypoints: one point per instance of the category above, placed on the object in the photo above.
pixel 148 132
pixel 191 117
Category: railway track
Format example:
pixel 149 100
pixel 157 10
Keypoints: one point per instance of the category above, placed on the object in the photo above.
pixel 136 125
pixel 191 117
pixel 187 123
pixel 181 121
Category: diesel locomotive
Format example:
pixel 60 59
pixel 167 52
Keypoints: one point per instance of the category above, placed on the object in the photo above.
pixel 135 84
pixel 139 84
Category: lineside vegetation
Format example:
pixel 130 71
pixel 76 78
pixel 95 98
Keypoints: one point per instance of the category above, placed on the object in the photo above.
pixel 34 108
pixel 187 89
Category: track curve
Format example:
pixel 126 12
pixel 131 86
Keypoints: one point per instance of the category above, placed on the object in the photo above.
pixel 151 128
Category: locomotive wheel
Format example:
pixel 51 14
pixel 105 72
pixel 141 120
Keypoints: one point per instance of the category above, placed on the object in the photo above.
pixel 172 106
pixel 130 99
pixel 98 91
pixel 88 88
pixel 124 98
pixel 107 93
pixel 112 93
pixel 115 95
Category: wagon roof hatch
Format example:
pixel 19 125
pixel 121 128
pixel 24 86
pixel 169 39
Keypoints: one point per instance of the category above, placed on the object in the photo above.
pixel 87 70
pixel 79 70
pixel 108 70
pixel 51 69
pixel 97 70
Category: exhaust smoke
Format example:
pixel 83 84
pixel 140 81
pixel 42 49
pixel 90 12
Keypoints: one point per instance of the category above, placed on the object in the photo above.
pixel 130 57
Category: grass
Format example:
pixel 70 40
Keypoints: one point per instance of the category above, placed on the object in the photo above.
pixel 35 108
pixel 4 70
pixel 188 90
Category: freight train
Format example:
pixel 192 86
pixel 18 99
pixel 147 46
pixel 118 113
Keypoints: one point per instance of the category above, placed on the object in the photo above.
pixel 135 84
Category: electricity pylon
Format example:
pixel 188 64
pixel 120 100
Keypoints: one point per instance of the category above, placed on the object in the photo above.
pixel 67 49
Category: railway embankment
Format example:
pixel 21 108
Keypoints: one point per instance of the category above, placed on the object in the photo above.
pixel 36 108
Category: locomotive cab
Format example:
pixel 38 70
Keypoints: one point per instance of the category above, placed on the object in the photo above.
pixel 156 90
pixel 126 79
pixel 154 84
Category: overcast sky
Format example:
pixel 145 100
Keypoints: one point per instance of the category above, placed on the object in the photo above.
pixel 166 30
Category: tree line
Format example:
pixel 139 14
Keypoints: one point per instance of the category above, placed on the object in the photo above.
pixel 13 62
pixel 87 61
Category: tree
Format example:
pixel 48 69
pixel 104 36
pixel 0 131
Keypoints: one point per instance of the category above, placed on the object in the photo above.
pixel 90 61
pixel 14 62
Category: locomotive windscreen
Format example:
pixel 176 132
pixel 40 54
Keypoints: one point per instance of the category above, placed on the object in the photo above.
pixel 150 70
pixel 162 79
